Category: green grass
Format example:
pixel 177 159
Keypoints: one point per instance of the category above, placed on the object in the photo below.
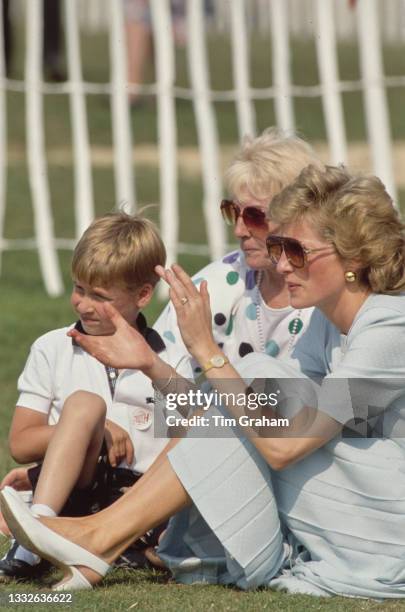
pixel 26 312
pixel 151 591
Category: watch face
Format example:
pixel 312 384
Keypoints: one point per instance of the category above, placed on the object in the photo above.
pixel 218 361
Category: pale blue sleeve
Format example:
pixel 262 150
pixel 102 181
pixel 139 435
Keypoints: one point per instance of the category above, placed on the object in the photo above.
pixel 370 376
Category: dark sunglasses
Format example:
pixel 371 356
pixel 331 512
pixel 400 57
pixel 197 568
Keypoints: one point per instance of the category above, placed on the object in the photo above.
pixel 253 218
pixel 295 252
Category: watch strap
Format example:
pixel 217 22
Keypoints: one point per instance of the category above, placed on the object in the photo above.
pixel 217 361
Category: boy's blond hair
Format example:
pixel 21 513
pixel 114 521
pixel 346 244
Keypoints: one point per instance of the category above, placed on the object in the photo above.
pixel 119 249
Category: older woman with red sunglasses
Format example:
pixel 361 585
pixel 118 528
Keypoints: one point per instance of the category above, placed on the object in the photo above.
pixel 249 299
pixel 334 523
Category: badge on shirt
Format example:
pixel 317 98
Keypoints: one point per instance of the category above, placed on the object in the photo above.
pixel 141 419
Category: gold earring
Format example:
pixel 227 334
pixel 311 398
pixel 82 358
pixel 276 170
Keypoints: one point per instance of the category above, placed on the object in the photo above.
pixel 350 277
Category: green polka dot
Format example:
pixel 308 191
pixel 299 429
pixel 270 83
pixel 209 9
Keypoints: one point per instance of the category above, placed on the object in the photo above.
pixel 230 326
pixel 232 278
pixel 272 348
pixel 295 326
pixel 251 312
pixel 169 336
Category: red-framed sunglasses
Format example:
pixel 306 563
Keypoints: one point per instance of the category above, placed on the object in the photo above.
pixel 295 252
pixel 254 218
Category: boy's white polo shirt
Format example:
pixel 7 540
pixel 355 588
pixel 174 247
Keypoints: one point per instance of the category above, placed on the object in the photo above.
pixel 56 368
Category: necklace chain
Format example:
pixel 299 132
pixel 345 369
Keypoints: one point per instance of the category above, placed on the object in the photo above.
pixel 294 326
pixel 258 313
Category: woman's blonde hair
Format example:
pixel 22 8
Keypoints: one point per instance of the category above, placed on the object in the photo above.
pixel 356 215
pixel 268 163
pixel 121 250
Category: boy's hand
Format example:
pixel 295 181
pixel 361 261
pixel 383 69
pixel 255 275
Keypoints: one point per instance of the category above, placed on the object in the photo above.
pixel 18 479
pixel 125 348
pixel 119 444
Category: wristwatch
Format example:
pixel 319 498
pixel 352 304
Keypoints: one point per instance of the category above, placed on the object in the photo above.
pixel 217 361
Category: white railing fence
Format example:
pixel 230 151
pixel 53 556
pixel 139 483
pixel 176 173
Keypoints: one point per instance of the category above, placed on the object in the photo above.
pixel 321 19
pixel 95 17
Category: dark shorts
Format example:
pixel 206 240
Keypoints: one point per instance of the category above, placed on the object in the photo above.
pixel 106 488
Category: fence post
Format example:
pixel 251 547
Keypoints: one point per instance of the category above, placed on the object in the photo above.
pixel 206 128
pixel 165 76
pixel 37 167
pixel 84 205
pixel 331 98
pixel 284 109
pixel 240 64
pixel 374 92
pixel 121 124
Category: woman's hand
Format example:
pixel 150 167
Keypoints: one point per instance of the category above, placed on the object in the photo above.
pixel 192 309
pixel 119 444
pixel 125 348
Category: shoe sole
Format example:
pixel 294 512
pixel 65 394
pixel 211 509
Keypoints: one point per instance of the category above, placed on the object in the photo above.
pixel 23 538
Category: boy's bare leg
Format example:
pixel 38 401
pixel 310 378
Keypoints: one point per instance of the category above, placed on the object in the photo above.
pixel 73 451
pixel 70 459
pixel 156 496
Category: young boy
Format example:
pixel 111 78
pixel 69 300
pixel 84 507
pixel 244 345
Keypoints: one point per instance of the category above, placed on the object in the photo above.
pixel 66 395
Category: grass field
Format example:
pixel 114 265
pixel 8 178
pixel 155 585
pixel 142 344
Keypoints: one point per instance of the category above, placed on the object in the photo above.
pixel 26 312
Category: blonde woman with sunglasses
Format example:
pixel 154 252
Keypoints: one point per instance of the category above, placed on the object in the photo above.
pixel 249 300
pixel 318 507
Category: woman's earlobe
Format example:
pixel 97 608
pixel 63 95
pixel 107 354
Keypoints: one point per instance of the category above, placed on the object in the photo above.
pixel 350 277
